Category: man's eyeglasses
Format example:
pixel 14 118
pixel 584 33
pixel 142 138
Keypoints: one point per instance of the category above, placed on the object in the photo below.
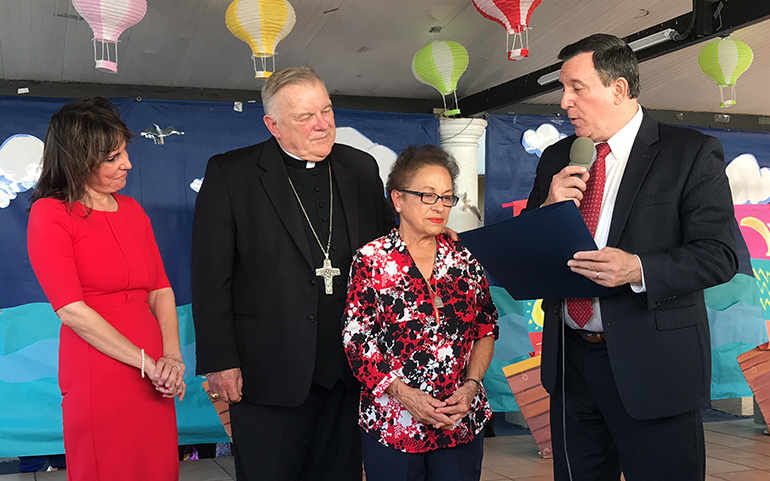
pixel 430 198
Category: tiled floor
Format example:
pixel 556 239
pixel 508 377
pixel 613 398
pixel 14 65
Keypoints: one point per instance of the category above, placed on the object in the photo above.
pixel 736 450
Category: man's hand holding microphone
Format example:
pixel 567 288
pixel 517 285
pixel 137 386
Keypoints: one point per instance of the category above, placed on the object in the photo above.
pixel 609 267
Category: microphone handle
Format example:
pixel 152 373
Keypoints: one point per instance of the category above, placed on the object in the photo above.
pixel 580 165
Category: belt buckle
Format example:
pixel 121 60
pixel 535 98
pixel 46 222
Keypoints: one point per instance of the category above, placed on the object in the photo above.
pixel 591 336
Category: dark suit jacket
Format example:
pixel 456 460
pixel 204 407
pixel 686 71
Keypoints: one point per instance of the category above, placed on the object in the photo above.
pixel 254 289
pixel 674 210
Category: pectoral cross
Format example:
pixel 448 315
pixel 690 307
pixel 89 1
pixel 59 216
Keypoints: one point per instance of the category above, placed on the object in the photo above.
pixel 327 272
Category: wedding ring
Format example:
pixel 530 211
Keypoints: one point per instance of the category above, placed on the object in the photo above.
pixel 597 274
pixel 178 369
pixel 214 395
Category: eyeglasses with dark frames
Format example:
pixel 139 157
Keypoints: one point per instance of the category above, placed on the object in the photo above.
pixel 430 198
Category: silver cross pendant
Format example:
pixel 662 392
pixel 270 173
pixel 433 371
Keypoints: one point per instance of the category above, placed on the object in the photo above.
pixel 327 272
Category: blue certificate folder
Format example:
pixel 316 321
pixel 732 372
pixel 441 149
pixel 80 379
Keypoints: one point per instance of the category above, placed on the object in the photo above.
pixel 528 254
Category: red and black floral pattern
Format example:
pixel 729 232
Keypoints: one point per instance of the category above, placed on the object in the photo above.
pixel 391 331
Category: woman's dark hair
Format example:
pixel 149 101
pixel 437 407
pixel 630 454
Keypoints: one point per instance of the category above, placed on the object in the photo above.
pixel 612 57
pixel 80 136
pixel 414 158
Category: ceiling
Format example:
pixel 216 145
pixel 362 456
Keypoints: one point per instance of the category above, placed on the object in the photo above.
pixel 362 48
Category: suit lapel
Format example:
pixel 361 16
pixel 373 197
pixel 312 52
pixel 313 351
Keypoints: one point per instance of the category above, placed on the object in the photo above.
pixel 346 184
pixel 276 184
pixel 642 154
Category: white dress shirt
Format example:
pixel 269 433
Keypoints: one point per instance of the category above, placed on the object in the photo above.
pixel 615 164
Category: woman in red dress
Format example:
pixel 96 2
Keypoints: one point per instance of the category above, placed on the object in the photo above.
pixel 94 253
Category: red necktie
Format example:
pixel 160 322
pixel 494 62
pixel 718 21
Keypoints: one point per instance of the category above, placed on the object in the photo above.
pixel 581 310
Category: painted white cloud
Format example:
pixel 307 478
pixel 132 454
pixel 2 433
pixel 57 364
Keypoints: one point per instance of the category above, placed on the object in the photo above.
pixel 749 182
pixel 21 159
pixel 384 156
pixel 536 141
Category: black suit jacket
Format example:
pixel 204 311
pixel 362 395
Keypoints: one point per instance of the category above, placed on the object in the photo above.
pixel 254 292
pixel 674 210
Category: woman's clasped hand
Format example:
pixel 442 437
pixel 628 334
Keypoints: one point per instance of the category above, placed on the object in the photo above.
pixel 429 410
pixel 168 377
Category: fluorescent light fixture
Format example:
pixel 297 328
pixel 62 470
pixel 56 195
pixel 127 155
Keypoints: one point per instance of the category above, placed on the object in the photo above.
pixel 652 40
pixel 549 77
pixel 649 41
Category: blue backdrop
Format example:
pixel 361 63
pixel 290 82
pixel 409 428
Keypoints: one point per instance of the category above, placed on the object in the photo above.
pixel 161 178
pixel 511 161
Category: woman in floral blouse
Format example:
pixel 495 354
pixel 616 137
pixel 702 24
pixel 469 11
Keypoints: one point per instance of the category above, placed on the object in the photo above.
pixel 419 334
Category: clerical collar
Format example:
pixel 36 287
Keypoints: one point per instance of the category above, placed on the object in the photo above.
pixel 296 162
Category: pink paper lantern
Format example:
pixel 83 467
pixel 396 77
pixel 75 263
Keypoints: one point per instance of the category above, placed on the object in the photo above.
pixel 108 19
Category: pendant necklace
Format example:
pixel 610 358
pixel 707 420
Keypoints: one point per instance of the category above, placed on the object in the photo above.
pixel 436 299
pixel 327 271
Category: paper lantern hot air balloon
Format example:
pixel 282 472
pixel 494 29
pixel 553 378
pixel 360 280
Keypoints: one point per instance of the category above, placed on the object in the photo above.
pixel 108 19
pixel 261 24
pixel 513 15
pixel 724 61
pixel 440 65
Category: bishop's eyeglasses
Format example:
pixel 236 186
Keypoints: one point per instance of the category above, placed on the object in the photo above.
pixel 430 198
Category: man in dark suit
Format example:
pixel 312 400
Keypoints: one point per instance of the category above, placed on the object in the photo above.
pixel 273 235
pixel 629 373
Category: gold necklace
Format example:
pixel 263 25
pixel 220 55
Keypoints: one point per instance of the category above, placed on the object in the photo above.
pixel 438 303
pixel 436 298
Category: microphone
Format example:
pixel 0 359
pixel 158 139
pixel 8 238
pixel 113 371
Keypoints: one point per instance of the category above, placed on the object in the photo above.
pixel 582 153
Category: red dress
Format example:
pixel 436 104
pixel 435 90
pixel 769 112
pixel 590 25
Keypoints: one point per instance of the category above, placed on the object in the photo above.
pixel 116 425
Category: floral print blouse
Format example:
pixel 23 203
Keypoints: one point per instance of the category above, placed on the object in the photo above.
pixel 391 331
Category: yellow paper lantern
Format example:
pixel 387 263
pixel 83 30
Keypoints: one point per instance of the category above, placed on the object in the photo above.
pixel 261 24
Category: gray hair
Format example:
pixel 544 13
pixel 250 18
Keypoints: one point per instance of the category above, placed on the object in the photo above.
pixel 282 78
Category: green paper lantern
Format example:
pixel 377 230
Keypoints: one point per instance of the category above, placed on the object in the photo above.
pixel 724 61
pixel 440 65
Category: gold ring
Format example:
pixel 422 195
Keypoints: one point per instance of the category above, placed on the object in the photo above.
pixel 214 395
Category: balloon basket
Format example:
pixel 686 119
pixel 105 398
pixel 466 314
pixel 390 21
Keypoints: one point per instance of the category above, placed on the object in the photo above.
pixel 262 70
pixel 106 55
pixel 518 54
pixel 730 101
pixel 107 66
pixel 518 47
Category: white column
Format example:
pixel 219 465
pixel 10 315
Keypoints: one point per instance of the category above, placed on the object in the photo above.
pixel 460 137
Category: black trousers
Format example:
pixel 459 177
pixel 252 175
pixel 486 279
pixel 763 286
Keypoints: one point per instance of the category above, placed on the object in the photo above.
pixel 602 439
pixel 316 441
pixel 386 463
